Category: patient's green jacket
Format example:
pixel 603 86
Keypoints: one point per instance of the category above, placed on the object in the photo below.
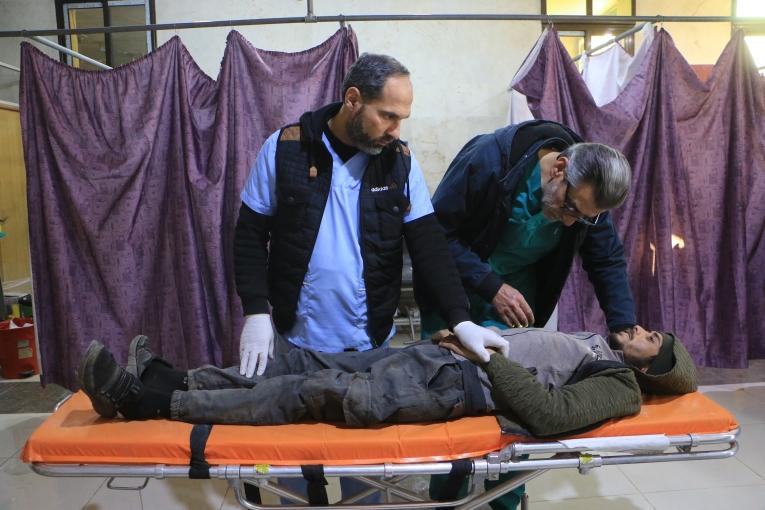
pixel 577 393
pixel 523 403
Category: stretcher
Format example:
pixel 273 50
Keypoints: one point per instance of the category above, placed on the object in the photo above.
pixel 75 441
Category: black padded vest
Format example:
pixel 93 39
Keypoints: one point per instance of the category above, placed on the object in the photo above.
pixel 303 175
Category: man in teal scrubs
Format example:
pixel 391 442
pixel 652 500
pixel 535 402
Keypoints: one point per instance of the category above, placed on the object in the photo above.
pixel 517 205
pixel 528 236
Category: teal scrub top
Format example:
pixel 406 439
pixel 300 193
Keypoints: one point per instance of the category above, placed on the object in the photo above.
pixel 527 237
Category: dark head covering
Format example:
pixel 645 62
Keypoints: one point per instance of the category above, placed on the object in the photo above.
pixel 665 360
pixel 672 372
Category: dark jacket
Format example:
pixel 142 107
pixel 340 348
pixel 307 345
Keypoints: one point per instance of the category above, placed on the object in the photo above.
pixel 473 202
pixel 303 176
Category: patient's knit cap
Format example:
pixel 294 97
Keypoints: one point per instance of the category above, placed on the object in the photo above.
pixel 672 372
pixel 665 360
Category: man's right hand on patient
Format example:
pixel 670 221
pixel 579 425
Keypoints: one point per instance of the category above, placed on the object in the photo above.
pixel 453 344
pixel 512 307
pixel 256 344
pixel 478 339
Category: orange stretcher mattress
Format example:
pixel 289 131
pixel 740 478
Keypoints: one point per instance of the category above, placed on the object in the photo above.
pixel 76 434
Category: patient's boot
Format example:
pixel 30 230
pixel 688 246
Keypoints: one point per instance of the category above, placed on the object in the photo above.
pixel 139 356
pixel 153 371
pixel 105 382
pixel 112 389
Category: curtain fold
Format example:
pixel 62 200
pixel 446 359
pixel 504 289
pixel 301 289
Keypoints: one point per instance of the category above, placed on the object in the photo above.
pixel 133 181
pixel 693 223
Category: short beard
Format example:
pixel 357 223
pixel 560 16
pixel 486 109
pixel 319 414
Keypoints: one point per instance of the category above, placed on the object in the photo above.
pixel 550 210
pixel 614 341
pixel 360 139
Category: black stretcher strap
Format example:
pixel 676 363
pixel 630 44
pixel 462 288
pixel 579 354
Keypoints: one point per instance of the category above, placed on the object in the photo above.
pixel 317 492
pixel 200 469
pixel 460 470
pixel 475 400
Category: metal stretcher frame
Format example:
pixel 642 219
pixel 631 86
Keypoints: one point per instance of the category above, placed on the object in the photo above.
pixel 525 460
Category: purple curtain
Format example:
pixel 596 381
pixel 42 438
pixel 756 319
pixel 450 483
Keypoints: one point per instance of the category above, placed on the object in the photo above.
pixel 693 223
pixel 133 180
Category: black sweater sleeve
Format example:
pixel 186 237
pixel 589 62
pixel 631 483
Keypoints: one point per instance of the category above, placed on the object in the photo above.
pixel 251 260
pixel 436 268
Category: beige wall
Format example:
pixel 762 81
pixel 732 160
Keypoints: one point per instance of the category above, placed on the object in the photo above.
pixel 700 43
pixel 460 70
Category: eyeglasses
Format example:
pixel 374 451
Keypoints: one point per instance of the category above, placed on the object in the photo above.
pixel 570 209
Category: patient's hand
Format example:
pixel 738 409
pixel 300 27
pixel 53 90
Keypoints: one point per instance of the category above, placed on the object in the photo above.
pixel 453 344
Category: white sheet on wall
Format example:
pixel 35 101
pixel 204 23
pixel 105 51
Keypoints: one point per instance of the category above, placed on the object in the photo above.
pixel 607 73
pixel 519 107
pixel 604 73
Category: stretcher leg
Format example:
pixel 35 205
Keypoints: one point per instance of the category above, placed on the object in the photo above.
pixel 519 478
pixel 265 484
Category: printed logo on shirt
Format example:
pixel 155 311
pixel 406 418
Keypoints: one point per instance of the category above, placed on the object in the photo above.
pixel 377 189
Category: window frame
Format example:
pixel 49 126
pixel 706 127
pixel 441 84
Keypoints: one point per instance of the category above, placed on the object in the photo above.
pixel 749 27
pixel 590 29
pixel 62 20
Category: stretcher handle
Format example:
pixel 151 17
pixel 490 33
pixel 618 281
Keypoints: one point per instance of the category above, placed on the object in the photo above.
pixel 110 485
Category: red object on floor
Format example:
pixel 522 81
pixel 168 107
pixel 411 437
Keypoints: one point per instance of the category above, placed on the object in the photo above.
pixel 18 356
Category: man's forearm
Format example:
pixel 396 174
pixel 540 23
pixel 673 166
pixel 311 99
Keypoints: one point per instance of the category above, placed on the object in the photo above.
pixel 435 267
pixel 251 260
pixel 476 275
pixel 603 258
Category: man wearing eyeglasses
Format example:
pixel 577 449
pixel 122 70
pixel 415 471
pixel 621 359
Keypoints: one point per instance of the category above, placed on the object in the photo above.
pixel 517 205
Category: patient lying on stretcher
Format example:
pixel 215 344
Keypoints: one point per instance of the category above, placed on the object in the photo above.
pixel 551 383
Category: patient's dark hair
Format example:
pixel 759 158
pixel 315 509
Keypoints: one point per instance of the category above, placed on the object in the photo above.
pixel 369 73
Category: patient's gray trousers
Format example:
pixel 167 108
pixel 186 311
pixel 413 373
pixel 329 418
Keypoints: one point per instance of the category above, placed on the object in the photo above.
pixel 422 382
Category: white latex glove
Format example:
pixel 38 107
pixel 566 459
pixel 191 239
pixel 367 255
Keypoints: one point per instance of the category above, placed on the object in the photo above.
pixel 476 339
pixel 256 344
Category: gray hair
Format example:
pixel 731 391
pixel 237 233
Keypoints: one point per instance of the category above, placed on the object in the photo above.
pixel 601 166
pixel 369 73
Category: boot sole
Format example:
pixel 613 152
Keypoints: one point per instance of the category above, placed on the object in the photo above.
pixel 139 342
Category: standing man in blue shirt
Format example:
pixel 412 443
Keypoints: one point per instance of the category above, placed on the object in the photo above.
pixel 327 207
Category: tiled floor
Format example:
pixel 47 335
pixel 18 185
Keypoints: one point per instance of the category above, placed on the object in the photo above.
pixel 754 373
pixel 737 482
pixel 713 484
